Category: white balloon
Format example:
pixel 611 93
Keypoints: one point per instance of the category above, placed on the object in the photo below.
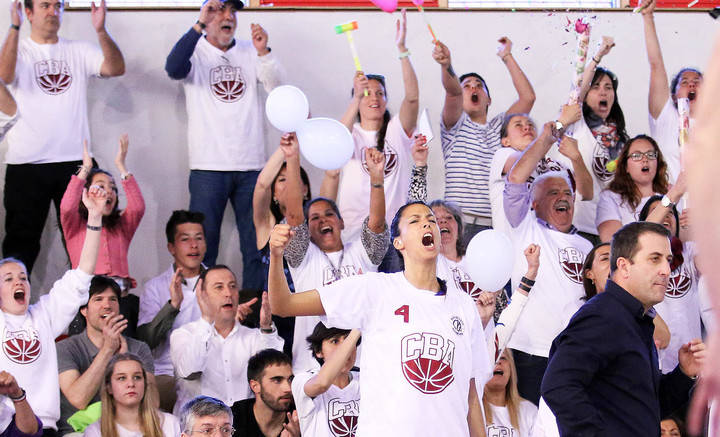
pixel 489 259
pixel 287 107
pixel 325 143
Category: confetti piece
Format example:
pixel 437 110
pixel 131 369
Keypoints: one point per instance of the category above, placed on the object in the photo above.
pixel 692 3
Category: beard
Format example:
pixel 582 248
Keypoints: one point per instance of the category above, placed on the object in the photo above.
pixel 276 404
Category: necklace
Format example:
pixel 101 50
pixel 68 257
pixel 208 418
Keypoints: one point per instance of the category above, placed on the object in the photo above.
pixel 335 270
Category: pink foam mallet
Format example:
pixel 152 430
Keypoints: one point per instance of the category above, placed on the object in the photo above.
pixel 386 5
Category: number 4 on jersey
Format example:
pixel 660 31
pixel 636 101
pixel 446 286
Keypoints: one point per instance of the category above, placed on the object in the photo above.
pixel 405 312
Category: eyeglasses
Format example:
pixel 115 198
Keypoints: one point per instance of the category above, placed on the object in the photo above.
pixel 638 156
pixel 225 430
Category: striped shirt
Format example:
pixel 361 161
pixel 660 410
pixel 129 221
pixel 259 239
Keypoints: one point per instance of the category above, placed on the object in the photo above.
pixel 468 150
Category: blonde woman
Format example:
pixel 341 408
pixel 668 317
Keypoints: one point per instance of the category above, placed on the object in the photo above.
pixel 506 413
pixel 126 410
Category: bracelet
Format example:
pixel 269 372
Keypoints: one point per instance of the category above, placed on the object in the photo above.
pixel 404 54
pixel 201 24
pixel 526 281
pixel 524 287
pixel 94 228
pixel 16 27
pixel 505 56
pixel 377 185
pixel 597 61
pixel 19 398
pixel 125 176
pixel 269 330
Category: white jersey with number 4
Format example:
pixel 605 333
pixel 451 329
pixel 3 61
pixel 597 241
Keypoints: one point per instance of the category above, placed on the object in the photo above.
pixel 420 351
pixel 332 414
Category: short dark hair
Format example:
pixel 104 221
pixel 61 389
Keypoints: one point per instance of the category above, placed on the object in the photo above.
pixel 676 79
pixel 320 334
pixel 590 289
pixel 625 241
pixel 262 360
pixel 179 217
pixel 309 203
pixel 473 74
pixel 204 273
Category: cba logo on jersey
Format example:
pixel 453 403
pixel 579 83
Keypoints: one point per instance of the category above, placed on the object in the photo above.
pixel 427 361
pixel 391 160
pixel 500 431
pixel 601 156
pixel 465 283
pixel 227 83
pixel 53 77
pixel 343 417
pixel 331 275
pixel 21 347
pixel 679 283
pixel 571 260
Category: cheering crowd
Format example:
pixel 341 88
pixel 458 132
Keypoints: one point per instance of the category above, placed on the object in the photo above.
pixel 599 330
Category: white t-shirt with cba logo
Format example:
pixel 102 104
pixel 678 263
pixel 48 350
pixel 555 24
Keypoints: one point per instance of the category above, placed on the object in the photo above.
pixel 420 351
pixel 50 87
pixel 354 191
pixel 332 414
pixel 558 285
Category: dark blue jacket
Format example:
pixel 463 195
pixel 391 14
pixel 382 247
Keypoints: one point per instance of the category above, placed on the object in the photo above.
pixel 603 377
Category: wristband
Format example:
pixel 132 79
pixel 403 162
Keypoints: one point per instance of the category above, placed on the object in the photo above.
pixel 524 287
pixel 502 58
pixel 19 398
pixel 94 228
pixel 201 24
pixel 378 185
pixel 16 27
pixel 404 54
pixel 597 61
pixel 125 176
pixel 269 330
pixel 526 281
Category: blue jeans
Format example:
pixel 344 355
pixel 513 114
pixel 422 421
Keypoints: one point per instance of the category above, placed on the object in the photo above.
pixel 209 194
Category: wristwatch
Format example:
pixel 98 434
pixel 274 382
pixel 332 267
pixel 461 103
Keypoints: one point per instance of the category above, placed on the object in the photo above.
pixel 666 202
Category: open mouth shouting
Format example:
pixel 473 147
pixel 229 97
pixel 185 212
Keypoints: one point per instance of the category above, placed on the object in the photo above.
pixel 326 230
pixel 498 372
pixel 645 169
pixel 562 206
pixel 603 104
pixel 474 98
pixel 428 240
pixel 19 296
pixel 692 95
pixel 444 230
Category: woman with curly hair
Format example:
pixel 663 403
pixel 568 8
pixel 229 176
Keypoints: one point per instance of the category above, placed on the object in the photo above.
pixel 641 172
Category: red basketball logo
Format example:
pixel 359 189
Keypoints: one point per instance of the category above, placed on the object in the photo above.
pixel 22 347
pixel 679 284
pixel 465 283
pixel 227 83
pixel 53 77
pixel 599 163
pixel 427 361
pixel 571 261
pixel 546 164
pixel 391 160
pixel 343 417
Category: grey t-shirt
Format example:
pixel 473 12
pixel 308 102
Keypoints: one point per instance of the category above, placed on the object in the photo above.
pixel 77 353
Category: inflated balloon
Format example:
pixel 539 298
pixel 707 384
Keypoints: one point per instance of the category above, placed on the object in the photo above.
pixel 489 259
pixel 386 5
pixel 287 107
pixel 325 143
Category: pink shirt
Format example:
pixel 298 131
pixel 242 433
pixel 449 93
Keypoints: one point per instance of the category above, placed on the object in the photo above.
pixel 114 243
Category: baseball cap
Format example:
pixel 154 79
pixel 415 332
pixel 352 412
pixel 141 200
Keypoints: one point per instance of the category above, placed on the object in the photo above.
pixel 237 4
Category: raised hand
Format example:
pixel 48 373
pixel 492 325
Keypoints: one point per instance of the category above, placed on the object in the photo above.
pixel 420 150
pixel 691 357
pixel 9 386
pixel 16 16
pixel 209 11
pixel 375 160
pixel 401 31
pixel 245 309
pixel 605 45
pixel 207 310
pixel 176 293
pixel 97 15
pixel 115 324
pixel 532 255
pixel 292 428
pixel 279 238
pixel 648 7
pixel 289 145
pixel 94 199
pixel 122 153
pixel 485 304
pixel 570 114
pixel 265 313
pixel 569 147
pixel 441 54
pixel 259 39
pixel 360 84
pixel 505 47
